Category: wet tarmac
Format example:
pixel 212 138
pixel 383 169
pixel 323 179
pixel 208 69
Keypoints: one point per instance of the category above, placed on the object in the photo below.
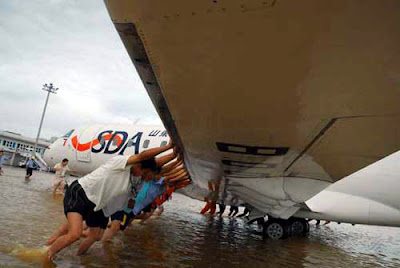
pixel 181 237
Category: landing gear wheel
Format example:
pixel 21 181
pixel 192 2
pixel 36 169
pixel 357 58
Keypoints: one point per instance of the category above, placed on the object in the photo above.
pixel 276 229
pixel 299 226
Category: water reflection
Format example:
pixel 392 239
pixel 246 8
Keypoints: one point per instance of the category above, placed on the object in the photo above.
pixel 182 237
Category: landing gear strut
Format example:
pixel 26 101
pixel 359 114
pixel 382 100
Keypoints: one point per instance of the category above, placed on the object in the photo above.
pixel 280 228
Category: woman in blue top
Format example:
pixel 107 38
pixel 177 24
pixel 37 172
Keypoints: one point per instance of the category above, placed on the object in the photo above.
pixel 30 164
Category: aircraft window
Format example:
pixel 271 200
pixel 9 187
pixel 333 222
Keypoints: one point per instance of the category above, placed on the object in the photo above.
pixel 163 143
pixel 69 133
pixel 146 143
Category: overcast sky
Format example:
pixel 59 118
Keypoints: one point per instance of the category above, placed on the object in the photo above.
pixel 74 45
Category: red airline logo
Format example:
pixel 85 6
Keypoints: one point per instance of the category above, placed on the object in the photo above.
pixel 81 147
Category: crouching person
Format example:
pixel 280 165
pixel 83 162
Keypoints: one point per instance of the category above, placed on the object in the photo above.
pixel 85 198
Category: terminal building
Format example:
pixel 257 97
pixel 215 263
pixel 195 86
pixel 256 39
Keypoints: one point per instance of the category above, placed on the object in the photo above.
pixel 20 147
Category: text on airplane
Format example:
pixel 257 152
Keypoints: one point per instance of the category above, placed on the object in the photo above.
pixel 114 138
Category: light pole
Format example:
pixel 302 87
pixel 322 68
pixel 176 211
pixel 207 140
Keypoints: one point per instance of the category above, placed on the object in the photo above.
pixel 50 89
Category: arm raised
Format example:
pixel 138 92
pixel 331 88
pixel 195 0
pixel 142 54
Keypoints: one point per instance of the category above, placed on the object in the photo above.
pixel 148 154
pixel 174 170
pixel 167 168
pixel 161 161
pixel 176 176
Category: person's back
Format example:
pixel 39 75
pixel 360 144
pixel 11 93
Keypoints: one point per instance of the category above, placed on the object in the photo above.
pixel 107 181
pixel 30 163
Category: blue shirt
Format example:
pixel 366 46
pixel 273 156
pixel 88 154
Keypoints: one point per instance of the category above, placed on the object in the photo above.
pixel 30 163
pixel 148 193
pixel 3 159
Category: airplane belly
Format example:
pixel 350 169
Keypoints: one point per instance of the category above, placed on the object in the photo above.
pixel 266 89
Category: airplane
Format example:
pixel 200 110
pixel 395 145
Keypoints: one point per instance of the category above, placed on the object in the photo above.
pixel 291 107
pixel 277 100
pixel 89 147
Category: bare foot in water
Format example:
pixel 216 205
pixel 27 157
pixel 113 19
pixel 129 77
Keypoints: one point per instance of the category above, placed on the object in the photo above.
pixel 48 260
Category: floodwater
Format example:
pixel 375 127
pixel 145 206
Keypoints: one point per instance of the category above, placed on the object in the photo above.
pixel 181 237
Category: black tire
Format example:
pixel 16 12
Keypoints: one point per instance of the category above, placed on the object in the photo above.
pixel 276 229
pixel 299 226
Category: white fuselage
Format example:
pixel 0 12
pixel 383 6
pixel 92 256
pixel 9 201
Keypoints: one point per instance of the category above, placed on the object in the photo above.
pixel 90 147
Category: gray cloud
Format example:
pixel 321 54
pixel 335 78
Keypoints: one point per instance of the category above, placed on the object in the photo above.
pixel 74 45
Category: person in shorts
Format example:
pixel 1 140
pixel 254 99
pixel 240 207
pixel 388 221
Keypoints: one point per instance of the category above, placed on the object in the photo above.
pixel 58 180
pixel 121 219
pixel 119 222
pixel 86 198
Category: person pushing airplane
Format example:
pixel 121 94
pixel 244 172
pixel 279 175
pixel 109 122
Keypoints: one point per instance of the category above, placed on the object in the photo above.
pixel 121 218
pixel 85 198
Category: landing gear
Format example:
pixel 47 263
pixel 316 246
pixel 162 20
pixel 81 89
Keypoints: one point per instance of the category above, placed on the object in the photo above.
pixel 299 226
pixel 279 228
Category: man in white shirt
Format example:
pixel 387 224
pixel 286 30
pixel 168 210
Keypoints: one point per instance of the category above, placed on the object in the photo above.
pixel 58 180
pixel 120 219
pixel 84 199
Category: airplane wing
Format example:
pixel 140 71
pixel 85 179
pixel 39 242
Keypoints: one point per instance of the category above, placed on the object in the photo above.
pixel 278 99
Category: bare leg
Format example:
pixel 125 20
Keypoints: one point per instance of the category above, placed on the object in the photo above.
pixel 55 187
pixel 85 232
pixel 147 216
pixel 160 211
pixel 236 212
pixel 75 225
pixel 62 186
pixel 61 231
pixel 111 232
pixel 94 234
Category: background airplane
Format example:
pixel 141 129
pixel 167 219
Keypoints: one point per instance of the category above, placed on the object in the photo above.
pixel 88 148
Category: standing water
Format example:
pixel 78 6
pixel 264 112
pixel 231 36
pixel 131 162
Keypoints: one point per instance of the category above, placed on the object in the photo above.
pixel 181 237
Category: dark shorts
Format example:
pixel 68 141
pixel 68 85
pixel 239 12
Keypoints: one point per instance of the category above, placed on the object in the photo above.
pixel 29 171
pixel 75 200
pixel 147 208
pixel 123 217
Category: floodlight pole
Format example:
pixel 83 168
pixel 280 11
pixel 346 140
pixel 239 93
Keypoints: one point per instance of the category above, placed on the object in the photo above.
pixel 50 89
